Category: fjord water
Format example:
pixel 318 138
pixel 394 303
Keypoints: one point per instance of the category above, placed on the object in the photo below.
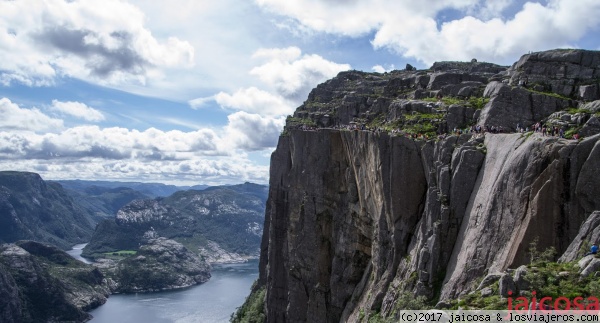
pixel 76 253
pixel 213 301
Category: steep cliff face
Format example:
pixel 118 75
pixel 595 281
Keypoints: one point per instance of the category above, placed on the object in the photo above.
pixel 31 208
pixel 356 219
pixel 41 283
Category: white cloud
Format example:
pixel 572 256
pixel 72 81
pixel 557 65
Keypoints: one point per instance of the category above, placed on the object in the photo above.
pixel 381 69
pixel 89 152
pixel 105 42
pixel 292 74
pixel 200 102
pixel 217 155
pixel 78 110
pixel 254 100
pixel 490 8
pixel 12 117
pixel 412 29
pixel 244 131
pixel 252 131
pixel 110 143
pixel 179 172
pixel 355 18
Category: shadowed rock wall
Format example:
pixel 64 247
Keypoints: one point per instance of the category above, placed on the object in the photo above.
pixel 356 218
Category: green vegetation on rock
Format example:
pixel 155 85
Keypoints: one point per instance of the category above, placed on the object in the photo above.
pixel 253 309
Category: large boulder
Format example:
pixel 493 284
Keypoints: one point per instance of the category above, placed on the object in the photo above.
pixel 510 106
pixel 559 71
pixel 519 278
pixel 587 190
pixel 459 116
pixel 589 92
pixel 592 106
pixel 507 285
pixel 591 127
pixel 588 233
pixel 489 279
pixel 439 80
pixel 592 267
pixel 463 89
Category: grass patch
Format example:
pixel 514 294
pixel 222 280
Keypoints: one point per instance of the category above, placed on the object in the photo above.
pixel 119 254
pixel 546 277
pixel 377 318
pixel 571 131
pixel 477 103
pixel 447 100
pixel 301 121
pixel 492 302
pixel 474 102
pixel 552 94
pixel 423 116
pixel 378 121
pixel 253 309
pixel 425 128
pixel 577 110
pixel 482 148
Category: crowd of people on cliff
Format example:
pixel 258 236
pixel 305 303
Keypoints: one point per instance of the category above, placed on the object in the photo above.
pixel 476 130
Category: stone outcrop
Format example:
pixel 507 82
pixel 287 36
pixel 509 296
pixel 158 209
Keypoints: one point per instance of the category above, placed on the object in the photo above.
pixel 31 272
pixel 213 253
pixel 356 220
pixel 566 72
pixel 510 106
pixel 161 264
pixel 588 234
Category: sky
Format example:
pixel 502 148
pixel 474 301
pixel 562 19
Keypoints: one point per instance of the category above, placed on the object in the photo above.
pixel 196 91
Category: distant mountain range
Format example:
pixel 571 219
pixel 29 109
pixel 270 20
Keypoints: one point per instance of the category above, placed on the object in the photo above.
pixel 64 213
pixel 227 219
pixel 103 202
pixel 151 190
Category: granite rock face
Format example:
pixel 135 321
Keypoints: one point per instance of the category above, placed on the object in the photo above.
pixel 588 234
pixel 353 216
pixel 11 306
pixel 510 106
pixel 41 283
pixel 565 72
pixel 358 219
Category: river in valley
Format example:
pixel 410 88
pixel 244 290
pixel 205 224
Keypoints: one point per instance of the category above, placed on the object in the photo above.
pixel 213 301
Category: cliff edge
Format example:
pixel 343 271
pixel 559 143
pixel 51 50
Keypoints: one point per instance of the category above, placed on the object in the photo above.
pixel 421 182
